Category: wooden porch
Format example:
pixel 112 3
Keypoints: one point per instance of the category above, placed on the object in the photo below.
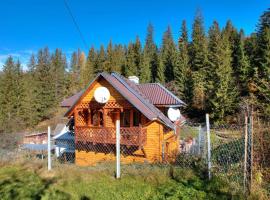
pixel 130 136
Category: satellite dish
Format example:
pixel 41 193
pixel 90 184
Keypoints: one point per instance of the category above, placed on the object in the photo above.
pixel 174 114
pixel 102 95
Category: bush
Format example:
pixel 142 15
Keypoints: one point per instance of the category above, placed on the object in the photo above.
pixel 16 183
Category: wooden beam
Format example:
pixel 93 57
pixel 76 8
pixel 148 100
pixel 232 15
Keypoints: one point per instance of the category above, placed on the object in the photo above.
pixel 104 117
pixel 90 117
pixel 131 118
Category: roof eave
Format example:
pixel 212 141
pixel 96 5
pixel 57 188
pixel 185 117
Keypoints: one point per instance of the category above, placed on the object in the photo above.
pixel 173 95
pixel 67 114
pixel 169 105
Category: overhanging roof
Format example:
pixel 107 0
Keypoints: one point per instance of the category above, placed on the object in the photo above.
pixel 137 95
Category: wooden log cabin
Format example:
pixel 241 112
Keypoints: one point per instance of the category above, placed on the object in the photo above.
pixel 147 134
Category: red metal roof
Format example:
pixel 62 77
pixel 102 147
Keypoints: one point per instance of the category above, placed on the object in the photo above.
pixel 71 100
pixel 159 95
pixel 155 93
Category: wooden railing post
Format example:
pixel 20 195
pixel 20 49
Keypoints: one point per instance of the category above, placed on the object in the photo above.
pixel 107 135
pixel 139 137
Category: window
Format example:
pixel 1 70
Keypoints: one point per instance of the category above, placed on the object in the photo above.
pixel 95 118
pixel 136 118
pixel 125 118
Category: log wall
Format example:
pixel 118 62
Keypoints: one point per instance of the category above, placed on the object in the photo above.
pixel 151 151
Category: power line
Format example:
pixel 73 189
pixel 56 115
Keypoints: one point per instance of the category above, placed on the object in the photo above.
pixel 75 23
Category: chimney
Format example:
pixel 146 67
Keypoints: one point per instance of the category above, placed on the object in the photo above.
pixel 134 79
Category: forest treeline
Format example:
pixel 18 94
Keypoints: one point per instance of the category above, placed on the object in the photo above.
pixel 215 71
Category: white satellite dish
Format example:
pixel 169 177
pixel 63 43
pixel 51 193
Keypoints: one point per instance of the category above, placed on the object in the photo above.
pixel 102 95
pixel 174 114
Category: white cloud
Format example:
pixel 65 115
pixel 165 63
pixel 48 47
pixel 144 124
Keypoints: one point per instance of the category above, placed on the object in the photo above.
pixel 22 55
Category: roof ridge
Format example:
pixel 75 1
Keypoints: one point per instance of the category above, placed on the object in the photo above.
pixel 170 93
pixel 147 83
pixel 131 84
pixel 126 80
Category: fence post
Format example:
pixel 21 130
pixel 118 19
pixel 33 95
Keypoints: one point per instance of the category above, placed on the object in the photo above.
pixel 199 140
pixel 49 149
pixel 249 151
pixel 245 158
pixel 208 146
pixel 118 148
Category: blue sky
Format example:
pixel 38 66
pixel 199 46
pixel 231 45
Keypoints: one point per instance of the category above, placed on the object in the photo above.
pixel 29 25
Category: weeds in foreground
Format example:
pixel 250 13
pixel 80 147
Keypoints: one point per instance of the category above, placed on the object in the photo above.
pixel 28 181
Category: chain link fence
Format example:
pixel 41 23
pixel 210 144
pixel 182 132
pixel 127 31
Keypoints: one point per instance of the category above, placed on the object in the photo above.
pixel 234 156
pixel 228 153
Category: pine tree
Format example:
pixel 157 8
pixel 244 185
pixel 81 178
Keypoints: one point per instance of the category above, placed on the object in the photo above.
pixel 231 33
pixel 58 74
pixel 88 72
pixel 19 90
pixel 222 96
pixel 118 58
pixel 250 48
pixel 264 22
pixel 137 54
pixel 182 70
pixel 233 38
pixel 262 75
pixel 149 58
pixel 160 77
pixel 130 66
pixel 133 58
pixel 75 72
pixel 109 58
pixel 198 63
pixel 45 88
pixel 10 96
pixel 168 55
pixel 241 64
pixel 198 48
pixel 30 92
pixel 101 59
pixel 263 53
pixel 81 66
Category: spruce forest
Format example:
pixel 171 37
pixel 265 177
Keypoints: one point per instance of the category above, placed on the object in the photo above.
pixel 214 71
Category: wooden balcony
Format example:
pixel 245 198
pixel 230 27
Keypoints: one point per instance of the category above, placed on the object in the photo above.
pixel 130 136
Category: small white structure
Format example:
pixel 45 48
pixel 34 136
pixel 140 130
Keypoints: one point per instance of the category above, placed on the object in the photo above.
pixel 174 114
pixel 64 140
pixel 134 79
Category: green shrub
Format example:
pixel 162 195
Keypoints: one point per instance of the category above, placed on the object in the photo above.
pixel 19 184
pixel 174 191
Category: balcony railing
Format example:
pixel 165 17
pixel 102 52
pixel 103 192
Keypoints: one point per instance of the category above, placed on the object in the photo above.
pixel 130 136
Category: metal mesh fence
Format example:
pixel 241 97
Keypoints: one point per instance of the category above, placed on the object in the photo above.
pixel 97 147
pixel 233 154
pixel 228 153
pixel 64 148
pixel 192 148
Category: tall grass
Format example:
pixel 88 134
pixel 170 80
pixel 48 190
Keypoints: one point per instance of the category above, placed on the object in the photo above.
pixel 25 180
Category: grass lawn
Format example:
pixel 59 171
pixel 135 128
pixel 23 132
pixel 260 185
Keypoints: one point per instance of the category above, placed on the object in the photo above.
pixel 32 181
